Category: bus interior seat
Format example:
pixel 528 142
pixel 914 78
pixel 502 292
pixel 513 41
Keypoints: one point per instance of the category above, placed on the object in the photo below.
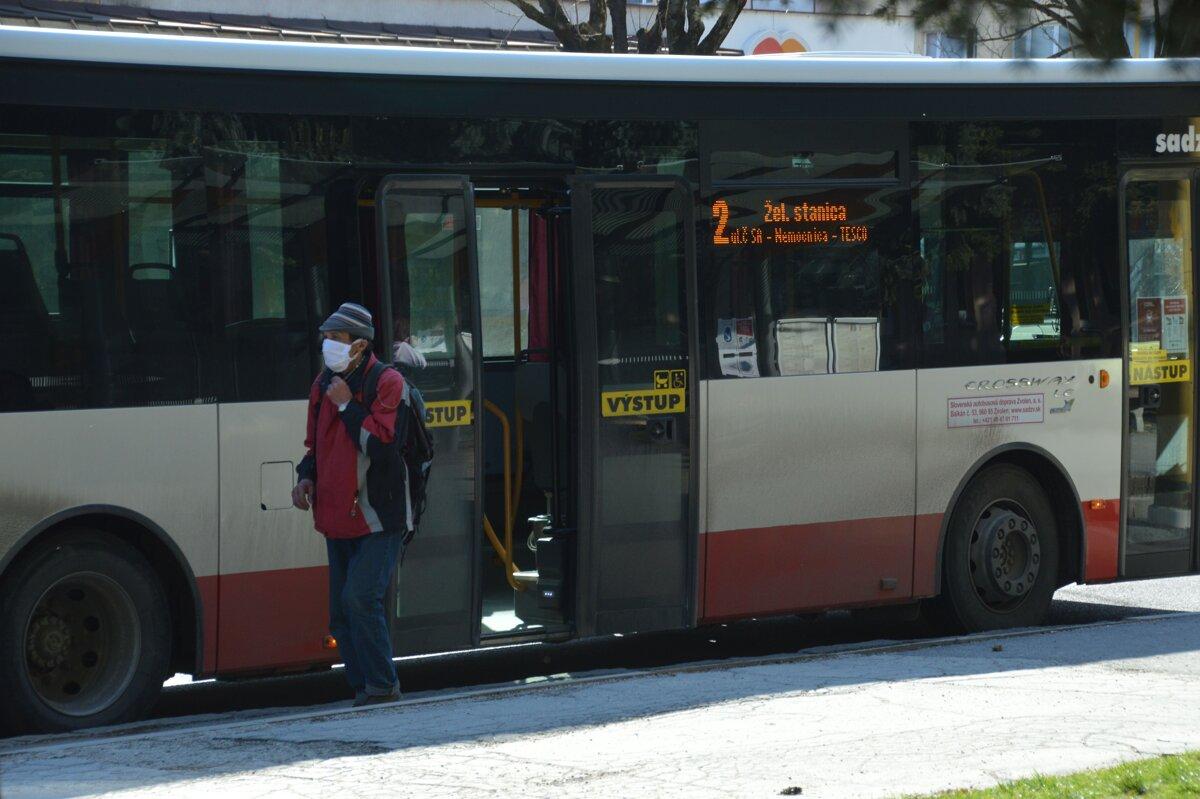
pixel 153 300
pixel 22 310
pixel 87 303
pixel 24 318
pixel 157 314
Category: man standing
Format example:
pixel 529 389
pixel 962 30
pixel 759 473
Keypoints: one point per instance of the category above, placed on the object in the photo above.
pixel 360 508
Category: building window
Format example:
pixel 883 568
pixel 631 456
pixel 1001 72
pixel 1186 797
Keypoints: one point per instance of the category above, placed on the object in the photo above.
pixel 1044 41
pixel 943 45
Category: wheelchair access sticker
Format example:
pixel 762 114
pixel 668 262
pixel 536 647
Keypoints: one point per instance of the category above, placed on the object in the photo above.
pixel 669 395
pixel 448 413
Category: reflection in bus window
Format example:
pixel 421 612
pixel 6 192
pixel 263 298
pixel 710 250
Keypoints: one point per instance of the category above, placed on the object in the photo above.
pixel 1012 220
pixel 427 252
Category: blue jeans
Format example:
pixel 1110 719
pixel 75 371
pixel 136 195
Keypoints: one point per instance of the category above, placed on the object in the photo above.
pixel 359 572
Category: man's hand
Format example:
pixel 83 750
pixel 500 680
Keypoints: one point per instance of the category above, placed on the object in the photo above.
pixel 338 392
pixel 302 494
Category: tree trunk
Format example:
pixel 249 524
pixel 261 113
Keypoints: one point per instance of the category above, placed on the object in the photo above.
pixel 620 26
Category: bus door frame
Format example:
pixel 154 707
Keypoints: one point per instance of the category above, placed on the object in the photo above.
pixel 461 632
pixel 580 279
pixel 1140 170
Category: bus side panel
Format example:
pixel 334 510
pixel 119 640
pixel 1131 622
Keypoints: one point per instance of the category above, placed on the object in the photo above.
pixel 274 577
pixel 159 462
pixel 965 414
pixel 810 492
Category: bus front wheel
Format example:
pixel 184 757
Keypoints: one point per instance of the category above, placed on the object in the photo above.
pixel 1000 558
pixel 85 636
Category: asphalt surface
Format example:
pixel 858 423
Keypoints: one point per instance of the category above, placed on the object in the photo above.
pixel 1072 605
pixel 897 719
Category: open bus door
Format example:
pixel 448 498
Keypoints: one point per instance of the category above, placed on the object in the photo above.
pixel 1158 220
pixel 428 279
pixel 633 285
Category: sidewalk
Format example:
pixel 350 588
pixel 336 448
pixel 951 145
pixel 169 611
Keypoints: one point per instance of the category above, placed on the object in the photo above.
pixel 840 726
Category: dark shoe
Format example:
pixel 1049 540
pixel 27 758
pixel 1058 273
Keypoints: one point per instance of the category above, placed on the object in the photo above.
pixel 377 699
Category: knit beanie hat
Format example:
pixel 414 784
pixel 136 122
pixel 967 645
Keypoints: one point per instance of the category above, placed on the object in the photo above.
pixel 351 318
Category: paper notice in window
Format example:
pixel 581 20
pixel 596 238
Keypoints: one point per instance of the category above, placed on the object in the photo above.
pixel 993 411
pixel 1175 325
pixel 1149 318
pixel 801 346
pixel 855 344
pixel 737 349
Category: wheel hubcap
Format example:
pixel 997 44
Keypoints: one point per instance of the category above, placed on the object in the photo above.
pixel 82 644
pixel 1005 555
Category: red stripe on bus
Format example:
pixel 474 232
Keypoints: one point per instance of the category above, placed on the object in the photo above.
pixel 273 619
pixel 807 567
pixel 209 589
pixel 279 618
pixel 1102 531
pixel 927 537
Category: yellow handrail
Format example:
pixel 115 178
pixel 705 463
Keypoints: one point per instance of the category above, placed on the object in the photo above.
pixel 505 549
pixel 510 567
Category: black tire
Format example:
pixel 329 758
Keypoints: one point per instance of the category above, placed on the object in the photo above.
pixel 85 636
pixel 1002 531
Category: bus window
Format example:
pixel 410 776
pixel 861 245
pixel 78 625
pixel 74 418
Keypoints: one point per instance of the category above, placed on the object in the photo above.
pixel 496 231
pixel 101 308
pixel 992 263
pixel 1032 315
pixel 431 287
pixel 272 235
pixel 1017 242
pixel 815 276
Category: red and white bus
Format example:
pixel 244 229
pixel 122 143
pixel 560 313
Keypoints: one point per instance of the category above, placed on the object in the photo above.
pixel 706 339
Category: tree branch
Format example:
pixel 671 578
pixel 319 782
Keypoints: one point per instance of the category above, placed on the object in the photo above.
pixel 720 29
pixel 650 38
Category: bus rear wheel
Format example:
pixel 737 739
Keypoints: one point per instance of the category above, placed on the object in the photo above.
pixel 1000 559
pixel 85 636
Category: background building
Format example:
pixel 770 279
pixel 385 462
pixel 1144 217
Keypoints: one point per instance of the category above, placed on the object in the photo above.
pixel 765 26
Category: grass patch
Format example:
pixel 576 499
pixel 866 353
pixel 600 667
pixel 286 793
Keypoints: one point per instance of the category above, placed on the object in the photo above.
pixel 1167 777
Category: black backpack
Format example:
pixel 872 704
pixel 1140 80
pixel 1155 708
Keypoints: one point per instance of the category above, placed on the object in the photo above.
pixel 412 451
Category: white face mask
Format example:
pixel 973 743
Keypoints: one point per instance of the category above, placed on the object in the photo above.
pixel 336 355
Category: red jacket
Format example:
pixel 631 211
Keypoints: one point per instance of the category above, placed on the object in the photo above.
pixel 353 497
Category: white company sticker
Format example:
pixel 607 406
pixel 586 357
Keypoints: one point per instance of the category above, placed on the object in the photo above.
pixel 992 411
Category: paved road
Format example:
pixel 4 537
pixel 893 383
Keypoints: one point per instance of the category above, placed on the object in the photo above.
pixel 1073 605
pixel 911 719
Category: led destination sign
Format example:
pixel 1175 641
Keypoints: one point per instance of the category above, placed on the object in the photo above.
pixel 787 224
